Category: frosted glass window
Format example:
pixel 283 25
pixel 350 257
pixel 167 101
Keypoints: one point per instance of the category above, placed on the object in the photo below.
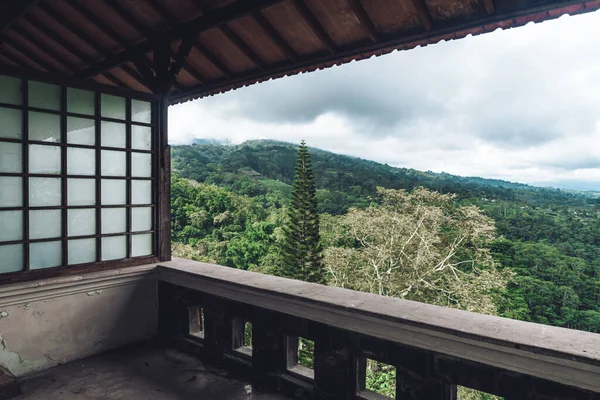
pixel 113 163
pixel 141 245
pixel 81 222
pixel 141 192
pixel 81 192
pixel 11 194
pixel 11 226
pixel 141 137
pixel 45 224
pixel 113 192
pixel 44 192
pixel 44 159
pixel 44 95
pixel 80 101
pixel 141 165
pixel 113 106
pixel 82 251
pixel 141 111
pixel 113 134
pixel 45 255
pixel 11 123
pixel 81 161
pixel 11 90
pixel 11 157
pixel 12 258
pixel 114 220
pixel 114 247
pixel 44 127
pixel 141 219
pixel 81 131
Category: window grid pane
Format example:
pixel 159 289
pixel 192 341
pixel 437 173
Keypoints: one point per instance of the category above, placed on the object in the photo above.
pixel 73 220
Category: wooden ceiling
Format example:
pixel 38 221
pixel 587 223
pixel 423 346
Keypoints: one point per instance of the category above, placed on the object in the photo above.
pixel 218 45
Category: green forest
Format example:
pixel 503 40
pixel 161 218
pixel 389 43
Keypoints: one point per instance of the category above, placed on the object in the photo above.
pixel 478 244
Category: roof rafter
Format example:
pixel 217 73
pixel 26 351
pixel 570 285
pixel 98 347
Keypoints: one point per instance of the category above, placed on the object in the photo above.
pixel 48 50
pixel 18 58
pixel 19 8
pixel 489 6
pixel 234 38
pixel 315 25
pixel 203 23
pixel 365 21
pixel 36 59
pixel 39 25
pixel 275 37
pixel 422 13
pixel 60 19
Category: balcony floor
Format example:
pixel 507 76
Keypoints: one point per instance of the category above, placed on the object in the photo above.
pixel 138 372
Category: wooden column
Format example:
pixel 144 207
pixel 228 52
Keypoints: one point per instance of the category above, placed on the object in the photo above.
pixel 164 180
pixel 269 349
pixel 335 367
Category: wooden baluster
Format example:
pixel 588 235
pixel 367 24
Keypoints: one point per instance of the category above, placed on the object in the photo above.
pixel 335 366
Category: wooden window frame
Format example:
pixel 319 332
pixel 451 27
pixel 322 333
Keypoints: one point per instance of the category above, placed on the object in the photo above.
pixel 159 180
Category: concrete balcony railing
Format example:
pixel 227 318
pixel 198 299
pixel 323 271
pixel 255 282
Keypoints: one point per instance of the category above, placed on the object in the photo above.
pixel 203 308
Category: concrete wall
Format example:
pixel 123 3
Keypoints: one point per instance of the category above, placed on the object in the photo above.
pixel 54 321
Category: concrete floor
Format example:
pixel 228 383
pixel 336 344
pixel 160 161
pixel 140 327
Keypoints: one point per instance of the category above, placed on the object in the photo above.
pixel 138 373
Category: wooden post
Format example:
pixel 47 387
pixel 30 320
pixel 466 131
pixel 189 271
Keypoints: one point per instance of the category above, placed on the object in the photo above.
pixel 335 367
pixel 163 180
pixel 269 350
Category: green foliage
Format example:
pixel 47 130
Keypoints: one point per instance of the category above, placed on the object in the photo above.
pixel 306 353
pixel 229 205
pixel 381 378
pixel 302 258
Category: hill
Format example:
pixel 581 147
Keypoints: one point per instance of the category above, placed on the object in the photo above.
pixel 259 166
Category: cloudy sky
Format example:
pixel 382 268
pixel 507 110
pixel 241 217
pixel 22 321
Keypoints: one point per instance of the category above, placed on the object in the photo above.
pixel 521 105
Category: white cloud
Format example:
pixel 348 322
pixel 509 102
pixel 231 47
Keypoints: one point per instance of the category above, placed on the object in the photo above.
pixel 522 105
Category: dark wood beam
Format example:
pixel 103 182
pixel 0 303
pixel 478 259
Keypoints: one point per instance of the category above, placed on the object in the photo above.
pixel 19 7
pixel 214 60
pixel 315 25
pixel 242 46
pixel 216 18
pixel 275 37
pixel 17 58
pixel 234 38
pixel 74 50
pixel 88 39
pixel 48 50
pixel 33 57
pixel 365 21
pixel 422 13
pixel 489 6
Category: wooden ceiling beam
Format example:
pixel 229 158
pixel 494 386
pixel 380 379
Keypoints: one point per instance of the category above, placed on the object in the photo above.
pixel 420 9
pixel 84 36
pixel 489 6
pixel 214 60
pixel 18 58
pixel 36 59
pixel 315 25
pixel 365 21
pixel 39 25
pixel 275 37
pixel 242 46
pixel 15 12
pixel 48 50
pixel 234 38
pixel 214 19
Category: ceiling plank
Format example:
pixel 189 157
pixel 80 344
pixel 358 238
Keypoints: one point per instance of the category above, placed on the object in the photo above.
pixel 234 38
pixel 489 6
pixel 39 25
pixel 15 12
pixel 48 50
pixel 28 54
pixel 315 25
pixel 214 19
pixel 90 41
pixel 275 37
pixel 365 21
pixel 422 13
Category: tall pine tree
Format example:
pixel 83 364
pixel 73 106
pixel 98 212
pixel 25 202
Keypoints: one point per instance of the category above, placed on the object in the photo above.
pixel 302 257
